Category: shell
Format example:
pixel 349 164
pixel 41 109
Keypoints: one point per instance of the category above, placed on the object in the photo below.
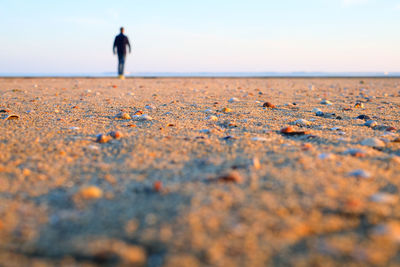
pixel 227 110
pixel 233 100
pixel 371 123
pixel 268 105
pixel 124 116
pixel 232 176
pixel 102 138
pixel 359 174
pixel 91 192
pixel 302 122
pixel 212 118
pixel 115 134
pixel 326 102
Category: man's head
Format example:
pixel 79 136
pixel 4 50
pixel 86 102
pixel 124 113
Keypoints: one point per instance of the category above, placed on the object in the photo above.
pixel 121 29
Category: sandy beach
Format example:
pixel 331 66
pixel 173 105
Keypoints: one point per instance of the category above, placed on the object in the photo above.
pixel 199 172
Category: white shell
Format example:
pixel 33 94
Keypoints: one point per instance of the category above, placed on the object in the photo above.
pixel 373 142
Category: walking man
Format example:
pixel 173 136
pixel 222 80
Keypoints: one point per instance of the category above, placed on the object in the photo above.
pixel 120 43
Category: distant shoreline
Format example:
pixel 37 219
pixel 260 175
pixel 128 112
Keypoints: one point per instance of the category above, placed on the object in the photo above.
pixel 202 77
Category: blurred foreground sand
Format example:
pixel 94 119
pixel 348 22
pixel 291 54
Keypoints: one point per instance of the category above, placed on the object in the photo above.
pixel 155 196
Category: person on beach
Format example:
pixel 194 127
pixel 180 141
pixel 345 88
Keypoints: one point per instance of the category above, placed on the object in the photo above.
pixel 120 43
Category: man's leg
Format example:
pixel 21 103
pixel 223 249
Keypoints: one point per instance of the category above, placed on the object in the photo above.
pixel 122 62
pixel 120 67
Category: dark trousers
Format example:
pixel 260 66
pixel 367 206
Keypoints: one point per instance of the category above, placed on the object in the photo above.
pixel 121 64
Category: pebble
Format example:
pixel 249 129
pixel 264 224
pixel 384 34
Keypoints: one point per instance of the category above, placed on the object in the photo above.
pixel 91 192
pixel 359 105
pixel 315 110
pixel 5 111
pixel 233 100
pixel 205 131
pixel 371 123
pixel 268 105
pixel 390 129
pixel 359 174
pixel 226 110
pixel 384 198
pixel 288 129
pixel 143 117
pixel 326 156
pixel 355 152
pixel 124 116
pixel 102 138
pixel 302 122
pixel 157 186
pixel 232 176
pixel 373 142
pixel 74 128
pixel 257 138
pixel 149 107
pixel 208 111
pixel 364 117
pixel 115 134
pixel 212 118
pixel 256 163
pixel 326 102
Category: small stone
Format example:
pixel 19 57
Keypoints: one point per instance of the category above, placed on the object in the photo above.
pixel 115 134
pixel 306 146
pixel 319 114
pixel 208 111
pixel 371 123
pixel 138 112
pixel 390 129
pixel 359 105
pixel 256 163
pixel 5 111
pixel 373 142
pixel 157 186
pixel 257 138
pixel 324 156
pixel 232 176
pixel 124 116
pixel 384 198
pixel 233 100
pixel 212 118
pixel 355 152
pixel 102 138
pixel 149 107
pixel 91 192
pixel 288 129
pixel 359 174
pixel 315 110
pixel 74 128
pixel 226 110
pixel 364 117
pixel 302 122
pixel 268 105
pixel 143 117
pixel 326 102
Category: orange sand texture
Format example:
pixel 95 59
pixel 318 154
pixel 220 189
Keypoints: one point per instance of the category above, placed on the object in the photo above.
pixel 193 179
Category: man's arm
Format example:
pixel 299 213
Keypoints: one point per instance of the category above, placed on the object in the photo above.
pixel 129 45
pixel 115 45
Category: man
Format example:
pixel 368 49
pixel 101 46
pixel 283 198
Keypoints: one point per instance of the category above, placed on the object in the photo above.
pixel 120 43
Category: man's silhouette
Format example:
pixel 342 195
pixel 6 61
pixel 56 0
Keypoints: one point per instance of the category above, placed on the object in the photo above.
pixel 120 43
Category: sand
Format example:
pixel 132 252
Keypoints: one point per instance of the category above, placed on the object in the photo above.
pixel 164 193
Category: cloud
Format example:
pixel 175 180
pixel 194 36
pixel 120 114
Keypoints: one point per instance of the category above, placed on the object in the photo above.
pixel 397 7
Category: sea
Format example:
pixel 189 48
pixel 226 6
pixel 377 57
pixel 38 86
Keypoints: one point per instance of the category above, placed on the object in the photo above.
pixel 213 74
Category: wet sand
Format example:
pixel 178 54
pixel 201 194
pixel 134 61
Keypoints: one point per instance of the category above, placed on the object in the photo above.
pixel 190 183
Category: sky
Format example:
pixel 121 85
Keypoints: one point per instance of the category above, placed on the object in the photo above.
pixel 47 36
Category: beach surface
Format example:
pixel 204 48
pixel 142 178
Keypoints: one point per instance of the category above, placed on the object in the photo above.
pixel 199 172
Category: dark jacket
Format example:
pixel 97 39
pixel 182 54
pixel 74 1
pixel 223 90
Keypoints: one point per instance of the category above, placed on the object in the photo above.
pixel 120 42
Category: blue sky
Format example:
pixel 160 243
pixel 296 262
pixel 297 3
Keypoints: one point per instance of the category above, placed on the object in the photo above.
pixel 194 36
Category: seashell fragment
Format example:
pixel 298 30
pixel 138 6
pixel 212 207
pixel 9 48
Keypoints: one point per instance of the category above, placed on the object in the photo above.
pixel 233 177
pixel 268 105
pixel 370 123
pixel 326 102
pixel 226 110
pixel 233 100
pixel 384 198
pixel 124 116
pixel 302 122
pixel 91 192
pixel 115 134
pixel 359 105
pixel 12 117
pixel 212 118
pixel 359 174
pixel 102 138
